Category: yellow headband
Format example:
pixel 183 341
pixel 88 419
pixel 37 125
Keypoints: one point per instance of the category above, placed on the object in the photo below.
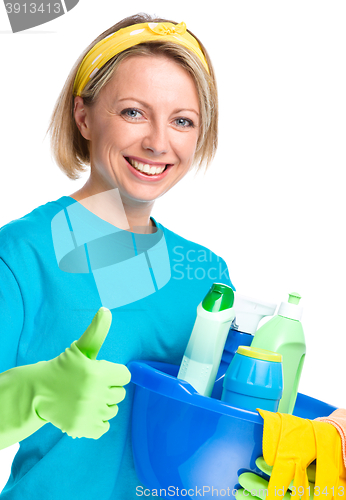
pixel 125 38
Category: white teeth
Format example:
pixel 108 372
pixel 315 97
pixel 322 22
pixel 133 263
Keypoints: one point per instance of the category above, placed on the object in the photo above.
pixel 147 169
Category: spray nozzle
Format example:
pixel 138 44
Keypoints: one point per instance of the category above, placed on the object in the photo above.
pixel 249 312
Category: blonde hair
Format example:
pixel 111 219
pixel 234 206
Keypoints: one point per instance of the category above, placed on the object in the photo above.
pixel 69 148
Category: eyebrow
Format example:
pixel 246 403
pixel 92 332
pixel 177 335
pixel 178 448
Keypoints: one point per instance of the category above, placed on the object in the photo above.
pixel 149 107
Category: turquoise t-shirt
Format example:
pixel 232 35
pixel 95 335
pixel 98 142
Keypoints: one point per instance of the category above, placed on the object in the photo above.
pixel 58 266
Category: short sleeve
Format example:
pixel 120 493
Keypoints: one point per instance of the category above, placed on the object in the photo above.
pixel 224 274
pixel 11 317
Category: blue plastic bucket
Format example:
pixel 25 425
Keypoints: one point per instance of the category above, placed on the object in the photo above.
pixel 188 443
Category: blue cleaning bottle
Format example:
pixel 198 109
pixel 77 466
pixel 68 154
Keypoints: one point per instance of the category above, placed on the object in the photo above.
pixel 248 313
pixel 254 379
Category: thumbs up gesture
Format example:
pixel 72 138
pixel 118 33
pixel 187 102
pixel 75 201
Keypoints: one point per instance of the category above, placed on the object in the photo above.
pixel 76 392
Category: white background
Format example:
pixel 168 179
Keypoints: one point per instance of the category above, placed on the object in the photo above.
pixel 273 203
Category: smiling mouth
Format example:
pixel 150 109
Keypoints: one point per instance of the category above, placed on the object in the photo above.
pixel 145 168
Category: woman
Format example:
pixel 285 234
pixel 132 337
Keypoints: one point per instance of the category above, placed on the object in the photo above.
pixel 139 107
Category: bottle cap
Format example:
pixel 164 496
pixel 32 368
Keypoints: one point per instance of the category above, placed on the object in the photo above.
pixel 291 309
pixel 256 352
pixel 219 298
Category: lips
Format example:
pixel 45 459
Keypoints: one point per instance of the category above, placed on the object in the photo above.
pixel 147 171
pixel 147 168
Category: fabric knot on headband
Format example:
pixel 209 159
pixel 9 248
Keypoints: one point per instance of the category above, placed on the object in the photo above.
pixel 162 29
pixel 127 37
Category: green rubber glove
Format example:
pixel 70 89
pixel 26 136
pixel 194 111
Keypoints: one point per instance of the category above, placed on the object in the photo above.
pixel 74 391
pixel 254 486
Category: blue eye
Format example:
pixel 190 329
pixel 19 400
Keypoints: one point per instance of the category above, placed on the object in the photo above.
pixel 131 113
pixel 184 122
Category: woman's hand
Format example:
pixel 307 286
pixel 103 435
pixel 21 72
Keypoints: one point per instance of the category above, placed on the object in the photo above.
pixel 77 393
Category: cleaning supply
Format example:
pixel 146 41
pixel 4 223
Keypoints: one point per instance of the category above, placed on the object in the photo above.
pixel 254 380
pixel 338 419
pixel 288 445
pixel 254 486
pixel 284 334
pixel 182 438
pixel 74 391
pixel 248 313
pixel 267 469
pixel 205 347
pixel 291 444
pixel 330 468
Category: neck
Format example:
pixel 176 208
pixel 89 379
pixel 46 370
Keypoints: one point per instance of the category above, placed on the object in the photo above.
pixel 139 217
pixel 111 207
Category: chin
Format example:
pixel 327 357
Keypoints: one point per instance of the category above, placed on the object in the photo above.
pixel 141 197
pixel 143 193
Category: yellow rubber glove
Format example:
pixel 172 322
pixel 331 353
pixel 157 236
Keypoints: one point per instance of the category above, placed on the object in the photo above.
pixel 289 445
pixel 267 469
pixel 330 471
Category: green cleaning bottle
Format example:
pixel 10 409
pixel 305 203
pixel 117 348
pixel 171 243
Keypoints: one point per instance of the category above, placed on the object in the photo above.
pixel 204 350
pixel 284 334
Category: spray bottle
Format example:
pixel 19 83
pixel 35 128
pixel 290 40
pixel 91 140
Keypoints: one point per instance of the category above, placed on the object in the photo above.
pixel 248 313
pixel 205 347
pixel 284 334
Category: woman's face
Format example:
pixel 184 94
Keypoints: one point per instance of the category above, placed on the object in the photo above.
pixel 143 128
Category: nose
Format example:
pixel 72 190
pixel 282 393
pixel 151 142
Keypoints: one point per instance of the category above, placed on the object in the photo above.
pixel 156 139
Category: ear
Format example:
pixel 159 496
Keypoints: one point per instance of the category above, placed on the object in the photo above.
pixel 80 116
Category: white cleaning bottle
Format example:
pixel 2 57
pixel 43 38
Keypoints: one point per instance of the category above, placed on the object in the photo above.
pixel 204 350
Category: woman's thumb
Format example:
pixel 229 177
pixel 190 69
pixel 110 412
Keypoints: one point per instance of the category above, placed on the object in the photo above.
pixel 92 339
